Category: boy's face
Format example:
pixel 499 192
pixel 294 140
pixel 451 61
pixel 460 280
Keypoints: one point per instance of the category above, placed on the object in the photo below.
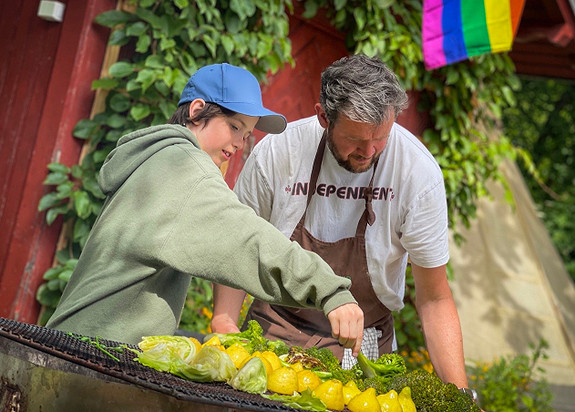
pixel 221 136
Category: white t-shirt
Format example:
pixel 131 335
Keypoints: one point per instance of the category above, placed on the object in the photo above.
pixel 409 200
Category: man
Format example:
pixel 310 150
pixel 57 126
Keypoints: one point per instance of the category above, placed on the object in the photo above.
pixel 374 198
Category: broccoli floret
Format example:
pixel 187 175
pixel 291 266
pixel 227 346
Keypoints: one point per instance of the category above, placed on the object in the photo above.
pixel 279 347
pixel 325 356
pixel 377 382
pixel 376 374
pixel 388 364
pixel 332 368
pixel 252 338
pixel 430 394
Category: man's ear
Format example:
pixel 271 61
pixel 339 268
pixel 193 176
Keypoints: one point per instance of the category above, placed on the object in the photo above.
pixel 321 116
pixel 196 106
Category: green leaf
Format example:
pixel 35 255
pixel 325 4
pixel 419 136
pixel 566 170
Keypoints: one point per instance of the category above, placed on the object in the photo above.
pixel 85 128
pixel 121 69
pixel 100 155
pixel 112 18
pixel 55 178
pixel 90 183
pixel 53 285
pixel 119 102
pixel 65 275
pixel 111 136
pixel 77 172
pixel 243 8
pixel 105 83
pixel 311 8
pixel 304 401
pixel 136 29
pixel 210 44
pixel 232 22
pixel 384 4
pixel 48 200
pixel 150 17
pixel 139 112
pixel 143 43
pixel 47 297
pixel 64 191
pixel 52 273
pixel 116 121
pixel 59 168
pixel 82 204
pixel 118 38
pixel 81 231
pixel 166 109
pixel 155 62
pixel 339 4
pixel 146 77
pixel 167 44
pixel 228 44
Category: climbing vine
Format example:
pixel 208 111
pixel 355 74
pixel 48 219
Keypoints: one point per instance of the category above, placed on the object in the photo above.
pixel 165 41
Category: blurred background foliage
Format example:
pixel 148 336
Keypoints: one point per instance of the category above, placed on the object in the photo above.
pixel 543 124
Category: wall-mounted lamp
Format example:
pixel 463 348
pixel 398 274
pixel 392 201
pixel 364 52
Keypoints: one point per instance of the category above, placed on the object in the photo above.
pixel 51 10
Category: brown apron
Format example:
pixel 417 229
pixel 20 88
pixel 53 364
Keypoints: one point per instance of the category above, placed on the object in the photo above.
pixel 347 257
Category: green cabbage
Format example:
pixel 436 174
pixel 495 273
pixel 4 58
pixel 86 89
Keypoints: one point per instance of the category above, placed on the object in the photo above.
pixel 209 365
pixel 166 353
pixel 179 347
pixel 177 355
pixel 252 377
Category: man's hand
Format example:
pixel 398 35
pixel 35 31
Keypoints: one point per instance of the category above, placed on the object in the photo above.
pixel 347 325
pixel 224 324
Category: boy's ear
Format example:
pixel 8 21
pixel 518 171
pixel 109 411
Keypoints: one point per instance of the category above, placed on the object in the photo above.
pixel 196 106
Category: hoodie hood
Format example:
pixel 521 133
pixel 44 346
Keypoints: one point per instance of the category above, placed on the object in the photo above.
pixel 135 148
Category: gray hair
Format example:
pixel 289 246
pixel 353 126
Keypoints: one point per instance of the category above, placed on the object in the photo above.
pixel 362 88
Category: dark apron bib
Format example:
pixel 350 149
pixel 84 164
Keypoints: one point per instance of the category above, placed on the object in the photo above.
pixel 347 257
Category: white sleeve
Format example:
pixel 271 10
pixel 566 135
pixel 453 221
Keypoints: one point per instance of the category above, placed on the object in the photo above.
pixel 253 187
pixel 425 228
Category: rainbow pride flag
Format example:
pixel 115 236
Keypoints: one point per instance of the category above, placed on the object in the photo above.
pixel 454 30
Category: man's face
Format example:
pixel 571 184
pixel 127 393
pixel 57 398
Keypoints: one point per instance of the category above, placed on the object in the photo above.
pixel 356 145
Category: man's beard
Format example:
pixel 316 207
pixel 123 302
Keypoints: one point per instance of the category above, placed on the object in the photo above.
pixel 346 164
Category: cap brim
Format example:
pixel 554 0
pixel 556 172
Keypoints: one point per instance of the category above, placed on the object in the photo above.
pixel 274 124
pixel 270 122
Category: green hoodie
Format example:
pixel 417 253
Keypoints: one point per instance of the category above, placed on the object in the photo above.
pixel 169 214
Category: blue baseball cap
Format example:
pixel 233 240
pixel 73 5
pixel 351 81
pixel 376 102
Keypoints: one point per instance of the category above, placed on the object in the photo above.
pixel 235 89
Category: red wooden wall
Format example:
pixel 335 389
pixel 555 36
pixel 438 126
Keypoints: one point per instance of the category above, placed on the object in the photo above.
pixel 45 83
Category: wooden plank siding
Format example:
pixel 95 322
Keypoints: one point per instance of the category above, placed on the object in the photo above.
pixel 45 82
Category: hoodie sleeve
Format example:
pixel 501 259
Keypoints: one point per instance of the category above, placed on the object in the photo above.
pixel 215 237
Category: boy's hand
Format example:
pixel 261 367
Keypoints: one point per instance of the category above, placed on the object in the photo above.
pixel 347 325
